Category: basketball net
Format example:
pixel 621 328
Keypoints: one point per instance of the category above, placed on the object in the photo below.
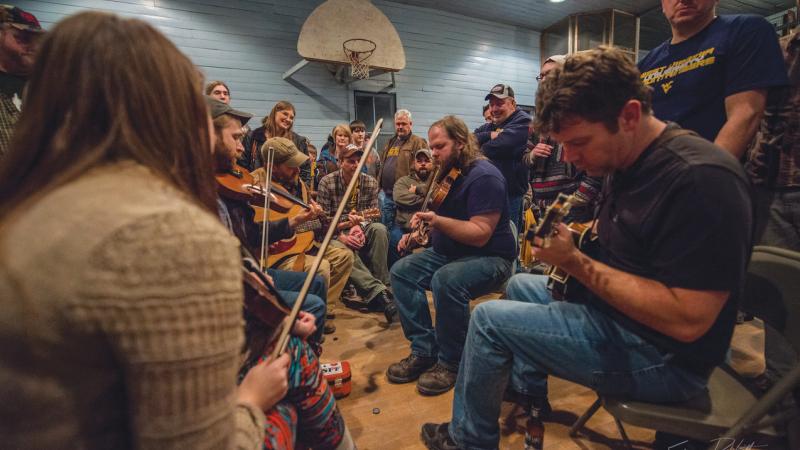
pixel 357 52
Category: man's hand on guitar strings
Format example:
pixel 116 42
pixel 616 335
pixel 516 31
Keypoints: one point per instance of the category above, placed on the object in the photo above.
pixel 561 248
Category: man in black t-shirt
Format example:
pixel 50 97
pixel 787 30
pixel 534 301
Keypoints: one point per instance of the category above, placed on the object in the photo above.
pixel 675 223
pixel 471 255
pixel 19 34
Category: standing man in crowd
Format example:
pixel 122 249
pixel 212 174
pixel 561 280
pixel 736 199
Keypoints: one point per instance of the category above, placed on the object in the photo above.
pixel 487 115
pixel 19 34
pixel 676 228
pixel 471 255
pixel 398 157
pixel 712 76
pixel 551 174
pixel 409 195
pixel 503 141
pixel 219 90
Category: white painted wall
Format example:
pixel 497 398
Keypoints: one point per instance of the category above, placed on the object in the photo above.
pixel 452 60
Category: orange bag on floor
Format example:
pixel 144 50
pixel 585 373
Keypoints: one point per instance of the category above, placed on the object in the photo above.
pixel 338 376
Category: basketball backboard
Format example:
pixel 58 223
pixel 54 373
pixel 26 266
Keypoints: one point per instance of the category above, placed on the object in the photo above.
pixel 336 21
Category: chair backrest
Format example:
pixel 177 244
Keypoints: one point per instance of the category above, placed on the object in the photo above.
pixel 772 290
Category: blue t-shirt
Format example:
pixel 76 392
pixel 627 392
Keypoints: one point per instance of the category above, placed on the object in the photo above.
pixel 691 79
pixel 481 191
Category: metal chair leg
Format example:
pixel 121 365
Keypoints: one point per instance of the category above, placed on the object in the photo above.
pixel 573 431
pixel 764 404
pixel 623 433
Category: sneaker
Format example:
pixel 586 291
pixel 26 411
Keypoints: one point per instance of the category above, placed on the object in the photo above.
pixel 409 369
pixel 437 380
pixel 330 315
pixel 436 437
pixel 329 328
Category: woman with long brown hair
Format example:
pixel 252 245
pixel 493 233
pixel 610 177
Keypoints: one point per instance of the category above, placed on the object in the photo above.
pixel 278 123
pixel 120 291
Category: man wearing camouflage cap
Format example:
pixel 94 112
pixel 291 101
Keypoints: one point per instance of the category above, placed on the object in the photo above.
pixel 19 34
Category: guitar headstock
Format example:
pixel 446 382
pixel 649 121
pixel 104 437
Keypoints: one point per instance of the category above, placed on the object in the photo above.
pixel 552 217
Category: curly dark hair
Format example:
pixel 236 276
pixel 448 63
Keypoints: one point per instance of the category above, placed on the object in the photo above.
pixel 593 85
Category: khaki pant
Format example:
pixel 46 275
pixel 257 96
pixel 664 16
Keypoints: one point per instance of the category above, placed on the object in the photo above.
pixel 335 268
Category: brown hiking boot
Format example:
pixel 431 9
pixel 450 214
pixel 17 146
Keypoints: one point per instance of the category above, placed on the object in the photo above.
pixel 437 380
pixel 409 369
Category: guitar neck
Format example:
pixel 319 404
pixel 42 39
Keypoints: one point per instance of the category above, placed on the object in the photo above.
pixel 311 225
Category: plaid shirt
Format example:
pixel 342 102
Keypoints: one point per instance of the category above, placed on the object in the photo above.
pixel 331 190
pixel 8 118
pixel 774 159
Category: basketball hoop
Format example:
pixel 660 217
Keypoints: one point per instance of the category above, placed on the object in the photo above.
pixel 358 51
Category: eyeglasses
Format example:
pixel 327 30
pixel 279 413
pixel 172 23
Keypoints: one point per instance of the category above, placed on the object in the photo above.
pixel 541 76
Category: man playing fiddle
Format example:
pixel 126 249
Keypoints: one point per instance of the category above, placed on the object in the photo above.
pixel 337 262
pixel 471 255
pixel 238 215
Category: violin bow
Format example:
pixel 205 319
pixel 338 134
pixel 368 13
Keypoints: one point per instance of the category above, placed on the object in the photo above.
pixel 431 184
pixel 267 193
pixel 283 339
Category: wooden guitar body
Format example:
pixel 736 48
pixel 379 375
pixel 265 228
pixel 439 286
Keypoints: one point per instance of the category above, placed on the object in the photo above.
pixel 302 241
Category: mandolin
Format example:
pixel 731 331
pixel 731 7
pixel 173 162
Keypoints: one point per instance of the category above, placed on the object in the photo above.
pixel 559 282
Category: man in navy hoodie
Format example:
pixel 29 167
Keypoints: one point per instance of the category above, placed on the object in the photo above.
pixel 503 141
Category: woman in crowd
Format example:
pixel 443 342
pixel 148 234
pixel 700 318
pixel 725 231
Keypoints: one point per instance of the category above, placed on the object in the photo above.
pixel 278 123
pixel 328 160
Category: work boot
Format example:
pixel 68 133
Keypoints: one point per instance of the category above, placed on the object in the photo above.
pixel 329 328
pixel 409 369
pixel 384 302
pixel 436 437
pixel 437 380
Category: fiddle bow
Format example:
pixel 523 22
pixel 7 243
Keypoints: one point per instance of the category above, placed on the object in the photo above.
pixel 283 339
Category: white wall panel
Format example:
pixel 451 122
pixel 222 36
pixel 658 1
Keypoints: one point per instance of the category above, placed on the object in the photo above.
pixel 452 60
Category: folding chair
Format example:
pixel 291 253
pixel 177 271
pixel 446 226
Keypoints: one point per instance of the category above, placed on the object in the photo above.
pixel 729 410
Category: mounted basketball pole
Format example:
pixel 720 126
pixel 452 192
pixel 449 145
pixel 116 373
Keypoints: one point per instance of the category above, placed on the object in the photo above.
pixel 369 48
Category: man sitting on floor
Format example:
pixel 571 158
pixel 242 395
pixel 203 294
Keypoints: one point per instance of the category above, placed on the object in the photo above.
pixel 676 228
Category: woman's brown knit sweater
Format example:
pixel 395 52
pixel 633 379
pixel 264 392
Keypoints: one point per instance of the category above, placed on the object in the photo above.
pixel 120 320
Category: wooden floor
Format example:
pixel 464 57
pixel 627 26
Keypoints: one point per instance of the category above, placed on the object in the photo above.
pixel 383 416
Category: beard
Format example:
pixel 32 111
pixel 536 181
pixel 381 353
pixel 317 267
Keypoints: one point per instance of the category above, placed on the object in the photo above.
pixel 423 174
pixel 449 163
pixel 223 160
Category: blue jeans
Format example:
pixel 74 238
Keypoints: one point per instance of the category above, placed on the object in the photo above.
pixel 395 234
pixel 289 283
pixel 453 282
pixel 778 218
pixel 524 341
pixel 388 209
pixel 515 211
